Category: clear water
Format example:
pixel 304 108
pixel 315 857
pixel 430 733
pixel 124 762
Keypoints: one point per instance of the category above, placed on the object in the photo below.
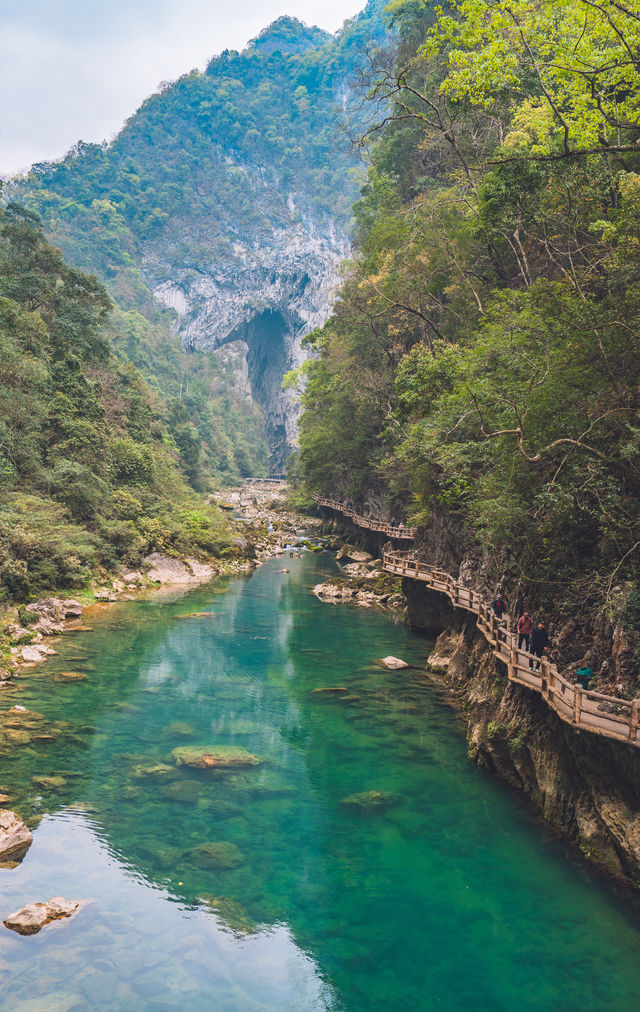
pixel 452 898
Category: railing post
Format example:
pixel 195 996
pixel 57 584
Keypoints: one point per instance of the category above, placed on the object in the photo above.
pixel 544 675
pixel 577 703
pixel 635 713
pixel 513 667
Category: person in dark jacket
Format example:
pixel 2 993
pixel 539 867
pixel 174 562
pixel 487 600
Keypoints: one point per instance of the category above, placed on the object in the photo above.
pixel 498 605
pixel 539 643
pixel 525 628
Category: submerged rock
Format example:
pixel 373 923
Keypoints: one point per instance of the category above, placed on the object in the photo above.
pixel 157 771
pixel 330 690
pixel 70 676
pixel 219 854
pixel 54 783
pixel 34 916
pixel 393 663
pixel 370 801
pixel 231 914
pixel 15 838
pixel 213 757
pixel 180 729
pixel 186 792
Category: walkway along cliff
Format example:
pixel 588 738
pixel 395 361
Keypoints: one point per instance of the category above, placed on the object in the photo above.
pixel 528 728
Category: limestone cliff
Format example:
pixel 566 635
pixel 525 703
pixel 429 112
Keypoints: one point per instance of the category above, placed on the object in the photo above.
pixel 586 786
pixel 270 289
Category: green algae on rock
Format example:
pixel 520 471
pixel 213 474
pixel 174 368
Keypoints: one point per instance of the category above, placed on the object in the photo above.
pixel 218 854
pixel 231 914
pixel 370 801
pixel 207 757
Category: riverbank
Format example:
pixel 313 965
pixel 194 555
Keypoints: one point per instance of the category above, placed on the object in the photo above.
pixel 262 525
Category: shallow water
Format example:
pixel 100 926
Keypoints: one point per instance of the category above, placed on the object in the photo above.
pixel 450 898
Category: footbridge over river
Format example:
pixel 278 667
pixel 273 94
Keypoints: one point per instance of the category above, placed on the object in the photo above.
pixel 582 708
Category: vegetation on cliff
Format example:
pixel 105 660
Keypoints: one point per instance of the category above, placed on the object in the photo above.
pixel 93 469
pixel 482 359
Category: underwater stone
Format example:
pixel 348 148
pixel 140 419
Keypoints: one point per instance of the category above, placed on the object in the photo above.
pixel 219 854
pixel 49 783
pixel 393 663
pixel 370 801
pixel 180 729
pixel 213 757
pixel 185 791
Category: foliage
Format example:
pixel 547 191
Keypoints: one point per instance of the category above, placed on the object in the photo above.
pixel 89 473
pixel 487 331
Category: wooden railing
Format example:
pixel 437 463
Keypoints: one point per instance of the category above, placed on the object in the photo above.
pixel 401 533
pixel 583 708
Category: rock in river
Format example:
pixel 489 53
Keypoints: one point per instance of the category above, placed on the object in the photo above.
pixel 393 663
pixel 219 855
pixel 34 916
pixel 370 801
pixel 15 838
pixel 205 757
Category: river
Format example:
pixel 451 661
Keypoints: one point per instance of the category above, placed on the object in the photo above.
pixel 445 895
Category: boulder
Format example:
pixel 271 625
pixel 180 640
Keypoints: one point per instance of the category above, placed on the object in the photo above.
pixel 70 676
pixel 53 783
pixel 220 855
pixel 33 654
pixel 15 838
pixel 354 554
pixel 185 792
pixel 231 914
pixel 163 569
pixel 370 801
pixel 393 663
pixel 205 757
pixel 34 916
pixel 18 634
pixel 180 729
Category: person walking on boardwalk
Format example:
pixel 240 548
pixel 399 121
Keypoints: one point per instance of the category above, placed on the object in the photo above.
pixel 539 643
pixel 525 628
pixel 498 605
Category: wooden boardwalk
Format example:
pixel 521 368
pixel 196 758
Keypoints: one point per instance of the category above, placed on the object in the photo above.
pixel 582 708
pixel 368 523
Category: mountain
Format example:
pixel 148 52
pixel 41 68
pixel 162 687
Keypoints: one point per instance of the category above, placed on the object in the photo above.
pixel 220 211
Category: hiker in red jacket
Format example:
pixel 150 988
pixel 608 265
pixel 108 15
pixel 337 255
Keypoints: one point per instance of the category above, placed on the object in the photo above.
pixel 525 628
pixel 498 605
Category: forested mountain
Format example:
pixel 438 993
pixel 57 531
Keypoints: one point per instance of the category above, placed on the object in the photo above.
pixel 482 360
pixel 226 198
pixel 92 473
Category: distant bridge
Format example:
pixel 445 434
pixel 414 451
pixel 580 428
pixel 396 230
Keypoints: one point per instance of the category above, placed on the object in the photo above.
pixel 272 477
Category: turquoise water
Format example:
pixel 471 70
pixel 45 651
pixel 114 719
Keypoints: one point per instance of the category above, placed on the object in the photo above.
pixel 445 896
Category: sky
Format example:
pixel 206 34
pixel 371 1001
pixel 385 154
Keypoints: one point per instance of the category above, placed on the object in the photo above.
pixel 76 69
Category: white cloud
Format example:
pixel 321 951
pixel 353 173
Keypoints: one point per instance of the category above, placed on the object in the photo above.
pixel 74 70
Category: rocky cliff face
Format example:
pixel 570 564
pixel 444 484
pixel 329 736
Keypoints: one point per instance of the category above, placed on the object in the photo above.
pixel 261 299
pixel 586 786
